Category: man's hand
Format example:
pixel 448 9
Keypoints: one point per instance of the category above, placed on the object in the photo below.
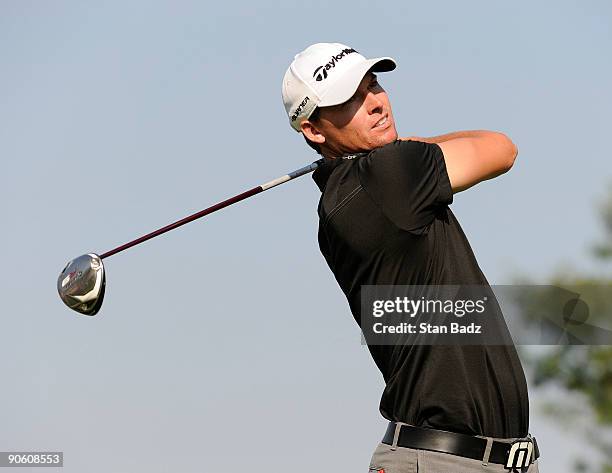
pixel 474 156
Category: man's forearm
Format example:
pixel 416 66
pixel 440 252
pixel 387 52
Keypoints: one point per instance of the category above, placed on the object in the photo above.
pixel 473 156
pixel 450 136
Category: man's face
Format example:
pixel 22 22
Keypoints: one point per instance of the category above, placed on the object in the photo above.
pixel 362 123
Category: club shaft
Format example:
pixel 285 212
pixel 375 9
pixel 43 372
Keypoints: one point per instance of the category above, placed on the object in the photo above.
pixel 232 200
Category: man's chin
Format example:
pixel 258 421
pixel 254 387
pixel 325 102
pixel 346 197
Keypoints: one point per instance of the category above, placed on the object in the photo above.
pixel 379 142
pixel 388 137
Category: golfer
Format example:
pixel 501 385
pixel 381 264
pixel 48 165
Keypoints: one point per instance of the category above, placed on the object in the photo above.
pixel 384 219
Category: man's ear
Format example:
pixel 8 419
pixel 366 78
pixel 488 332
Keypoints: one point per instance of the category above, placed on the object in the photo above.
pixel 311 132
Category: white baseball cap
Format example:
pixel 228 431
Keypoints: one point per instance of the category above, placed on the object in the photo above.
pixel 323 75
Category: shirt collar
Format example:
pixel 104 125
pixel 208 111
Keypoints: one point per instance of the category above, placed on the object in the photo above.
pixel 325 169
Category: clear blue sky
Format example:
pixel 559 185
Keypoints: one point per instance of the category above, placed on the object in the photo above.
pixel 119 117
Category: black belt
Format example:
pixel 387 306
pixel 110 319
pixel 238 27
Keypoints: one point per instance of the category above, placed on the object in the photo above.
pixel 462 445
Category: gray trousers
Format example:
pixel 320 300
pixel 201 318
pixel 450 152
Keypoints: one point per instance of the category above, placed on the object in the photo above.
pixel 394 459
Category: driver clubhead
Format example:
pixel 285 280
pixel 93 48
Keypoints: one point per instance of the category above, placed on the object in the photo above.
pixel 81 284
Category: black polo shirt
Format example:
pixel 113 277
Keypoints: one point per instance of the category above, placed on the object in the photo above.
pixel 384 220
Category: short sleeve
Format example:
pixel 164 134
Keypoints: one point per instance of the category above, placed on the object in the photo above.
pixel 408 181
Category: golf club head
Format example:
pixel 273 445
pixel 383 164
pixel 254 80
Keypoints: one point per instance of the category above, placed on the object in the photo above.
pixel 81 284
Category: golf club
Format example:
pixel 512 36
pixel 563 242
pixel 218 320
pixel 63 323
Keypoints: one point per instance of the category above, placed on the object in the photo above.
pixel 82 283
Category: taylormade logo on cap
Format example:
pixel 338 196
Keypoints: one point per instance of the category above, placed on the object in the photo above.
pixel 323 75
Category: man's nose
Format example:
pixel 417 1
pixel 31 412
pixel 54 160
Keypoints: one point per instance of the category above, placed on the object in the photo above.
pixel 374 103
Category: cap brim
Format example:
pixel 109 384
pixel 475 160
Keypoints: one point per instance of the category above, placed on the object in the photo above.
pixel 346 86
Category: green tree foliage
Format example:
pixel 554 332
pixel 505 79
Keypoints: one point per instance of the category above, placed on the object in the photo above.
pixel 580 368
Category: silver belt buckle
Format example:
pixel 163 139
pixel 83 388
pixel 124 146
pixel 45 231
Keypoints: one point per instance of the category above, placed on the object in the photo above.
pixel 519 456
